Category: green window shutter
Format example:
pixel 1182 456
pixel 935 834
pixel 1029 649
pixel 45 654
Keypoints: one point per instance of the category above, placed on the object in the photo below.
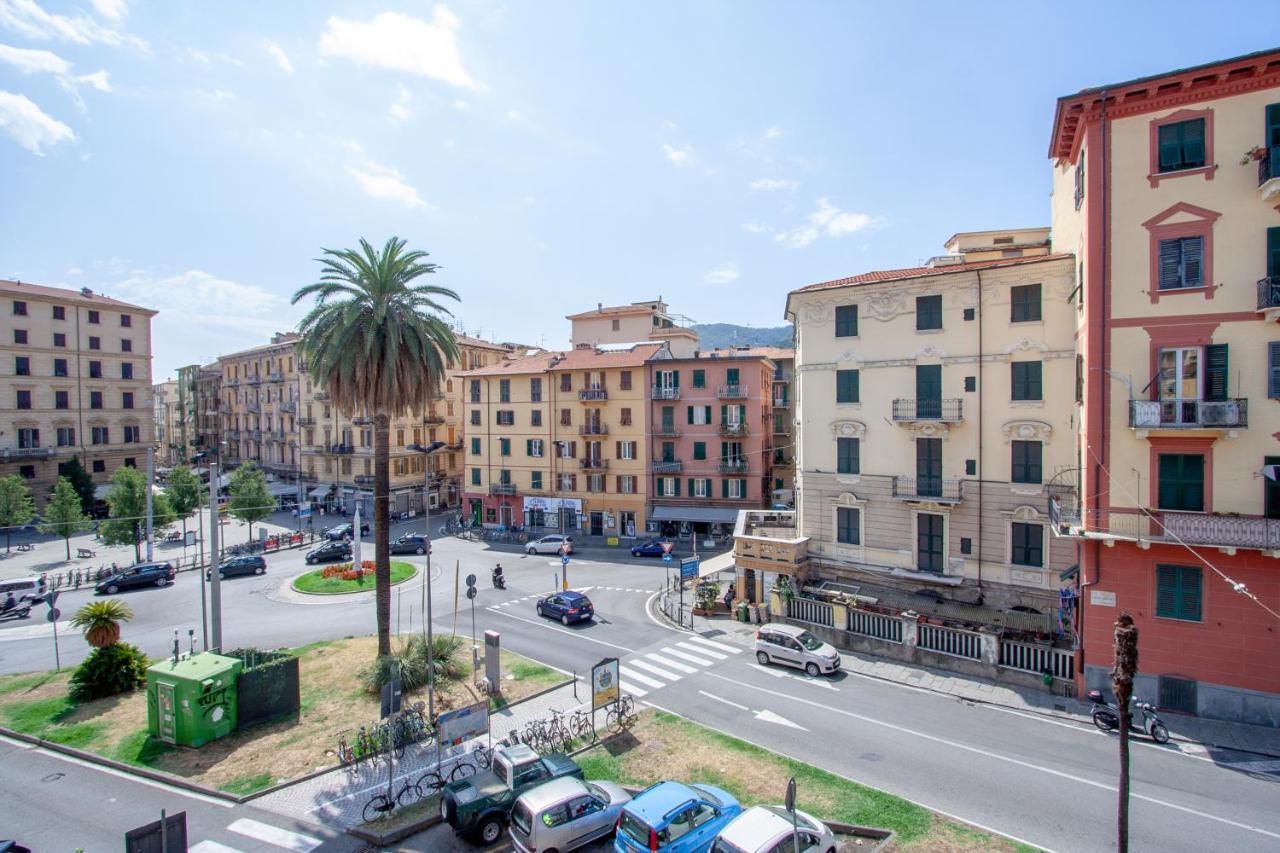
pixel 742 413
pixel 699 378
pixel 706 487
pixel 1192 261
pixel 724 488
pixel 689 411
pixel 676 482
pixel 706 414
pixel 1170 259
pixel 699 450
pixel 1193 143
pixel 1273 370
pixel 846 321
pixel 675 379
pixel 1215 361
pixel 659 487
pixel 1190 589
pixel 1179 592
pixel 724 414
pixel 1167 587
pixel 732 378
pixel 528 447
pixel 1273 236
pixel 1169 141
pixel 692 492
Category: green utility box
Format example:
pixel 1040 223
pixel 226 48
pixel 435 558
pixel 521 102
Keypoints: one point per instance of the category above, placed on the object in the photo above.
pixel 192 701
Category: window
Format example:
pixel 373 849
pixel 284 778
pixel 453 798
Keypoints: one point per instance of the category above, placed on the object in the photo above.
pixel 131 435
pixel 21 365
pixel 626 450
pixel 504 447
pixel 1181 145
pixel 126 321
pixel 535 418
pixel 99 466
pixel 1024 303
pixel 533 447
pixel 566 382
pixel 95 343
pixel 846 386
pixel 846 321
pixel 595 482
pixel 566 417
pixel 95 399
pixel 126 400
pixel 624 382
pixel 475 390
pixel 929 312
pixel 1181 263
pixel 848 522
pixel 1027 467
pixel 505 417
pixel 59 312
pixel 61 400
pixel 699 488
pixel 1181 485
pixel 94 318
pixel 59 367
pixel 24 399
pixel 475 417
pixel 699 379
pixel 475 476
pixel 126 345
pixel 615 324
pixel 735 488
pixel 100 435
pixel 847 456
pixel 1028 544
pixel 504 390
pixel 1079 196
pixel 19 336
pixel 1025 377
pixel 1178 593
pixel 567 482
pixel 19 308
pixel 535 390
pixel 627 484
pixel 95 370
pixel 535 480
pixel 28 472
pixel 699 415
pixel 475 446
pixel 699 450
pixel 59 339
pixel 971 383
pixel 28 438
pixel 624 417
pixel 66 436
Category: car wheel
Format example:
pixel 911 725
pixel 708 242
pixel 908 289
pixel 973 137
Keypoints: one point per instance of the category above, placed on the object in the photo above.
pixel 564 620
pixel 421 551
pixel 539 609
pixel 259 570
pixel 531 551
pixel 490 829
pixel 222 576
pixel 113 589
pixel 161 581
pixel 762 658
pixel 811 670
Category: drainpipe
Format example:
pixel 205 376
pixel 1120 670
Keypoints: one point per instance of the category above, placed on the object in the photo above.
pixel 981 390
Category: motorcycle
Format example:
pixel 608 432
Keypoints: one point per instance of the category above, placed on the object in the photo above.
pixel 1143 718
pixel 499 582
pixel 19 611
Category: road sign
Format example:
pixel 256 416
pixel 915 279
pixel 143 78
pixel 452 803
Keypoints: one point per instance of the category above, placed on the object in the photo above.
pixel 391 696
pixel 471 580
pixel 471 592
pixel 305 512
pixel 667 546
pixel 604 683
pixel 564 559
pixel 689 567
pixel 53 615
pixel 666 558
pixel 51 597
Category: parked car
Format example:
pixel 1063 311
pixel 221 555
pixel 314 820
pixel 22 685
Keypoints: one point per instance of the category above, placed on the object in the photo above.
pixel 567 607
pixel 238 567
pixel 410 543
pixel 648 548
pixel 143 574
pixel 565 814
pixel 345 531
pixel 330 552
pixel 792 646
pixel 764 829
pixel 549 544
pixel 28 589
pixel 675 818
pixel 478 806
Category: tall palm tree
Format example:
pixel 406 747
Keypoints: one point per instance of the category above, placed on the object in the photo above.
pixel 375 341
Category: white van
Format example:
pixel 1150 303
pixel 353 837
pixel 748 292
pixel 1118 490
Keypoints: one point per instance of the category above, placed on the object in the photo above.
pixel 29 589
pixel 787 644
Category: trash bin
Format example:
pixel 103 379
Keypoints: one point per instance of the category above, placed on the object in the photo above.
pixel 754 611
pixel 744 611
pixel 192 701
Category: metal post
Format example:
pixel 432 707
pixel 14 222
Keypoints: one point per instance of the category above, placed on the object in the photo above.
pixel 57 658
pixel 151 474
pixel 215 587
pixel 426 607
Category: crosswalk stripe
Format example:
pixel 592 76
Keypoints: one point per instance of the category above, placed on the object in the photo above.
pixel 643 679
pixel 635 690
pixel 656 670
pixel 699 650
pixel 294 841
pixel 669 662
pixel 703 641
pixel 686 656
pixel 207 846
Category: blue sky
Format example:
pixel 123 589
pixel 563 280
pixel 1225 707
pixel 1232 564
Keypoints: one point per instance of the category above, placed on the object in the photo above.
pixel 194 157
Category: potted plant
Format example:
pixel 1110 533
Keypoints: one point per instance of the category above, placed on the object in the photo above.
pixel 1253 155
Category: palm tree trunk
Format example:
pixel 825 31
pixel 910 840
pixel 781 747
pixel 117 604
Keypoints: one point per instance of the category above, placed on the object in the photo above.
pixel 382 528
pixel 66 540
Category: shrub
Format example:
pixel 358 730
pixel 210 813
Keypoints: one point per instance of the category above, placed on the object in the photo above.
pixel 412 658
pixel 117 668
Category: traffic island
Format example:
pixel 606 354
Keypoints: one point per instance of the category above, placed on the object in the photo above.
pixel 344 578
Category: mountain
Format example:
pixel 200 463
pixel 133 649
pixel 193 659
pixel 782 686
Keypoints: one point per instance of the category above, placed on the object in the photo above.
pixel 716 335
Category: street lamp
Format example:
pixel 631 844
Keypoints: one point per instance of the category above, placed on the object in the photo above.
pixel 561 449
pixel 426 452
pixel 215 577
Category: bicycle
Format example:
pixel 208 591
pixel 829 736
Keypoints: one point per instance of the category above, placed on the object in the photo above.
pixel 621 715
pixel 346 753
pixel 429 782
pixel 582 727
pixel 380 805
pixel 482 756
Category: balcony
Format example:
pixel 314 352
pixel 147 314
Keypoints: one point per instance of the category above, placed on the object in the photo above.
pixel 306 421
pixel 275 377
pixel 334 449
pixel 362 420
pixel 255 408
pixel 232 383
pixel 1147 415
pixel 254 380
pixel 1225 531
pixel 666 393
pixel 942 411
pixel 433 418
pixel 503 489
pixel 593 464
pixel 932 489
pixel 781 429
pixel 733 466
pixel 781 403
pixel 768 540
pixel 667 430
pixel 233 433
pixel 593 429
pixel 290 406
pixel 363 479
pixel 1269 175
pixel 733 429
pixel 1269 297
pixel 732 392
pixel 322 396
pixel 591 395
pixel 782 376
pixel 256 435
pixel 276 435
pixel 28 452
pixel 666 466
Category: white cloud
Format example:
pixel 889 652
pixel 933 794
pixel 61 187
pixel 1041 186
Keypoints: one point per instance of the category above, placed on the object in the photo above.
pixel 402 43
pixel 678 155
pixel 515 115
pixel 400 109
pixel 723 274
pixel 28 19
pixel 754 227
pixel 773 133
pixel 282 59
pixel 772 184
pixel 32 61
pixel 28 125
pixel 383 182
pixel 827 221
pixel 114 10
pixel 460 104
pixel 99 80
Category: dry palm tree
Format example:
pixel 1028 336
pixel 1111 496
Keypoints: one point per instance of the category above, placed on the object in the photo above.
pixel 101 621
pixel 376 343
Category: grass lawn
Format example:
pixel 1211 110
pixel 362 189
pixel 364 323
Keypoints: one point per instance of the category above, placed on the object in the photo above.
pixel 663 746
pixel 313 582
pixel 333 701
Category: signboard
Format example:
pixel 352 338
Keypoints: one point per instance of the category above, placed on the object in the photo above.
pixel 1101 598
pixel 564 559
pixel 391 698
pixel 552 504
pixel 304 512
pixel 464 724
pixel 155 838
pixel 604 683
pixel 666 558
pixel 688 566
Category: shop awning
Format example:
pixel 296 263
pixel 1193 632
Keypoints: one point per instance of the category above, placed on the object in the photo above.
pixel 279 489
pixel 319 491
pixel 710 514
pixel 715 565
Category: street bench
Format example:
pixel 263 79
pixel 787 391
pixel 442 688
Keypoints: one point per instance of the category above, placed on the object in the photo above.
pixel 26 546
pixel 85 553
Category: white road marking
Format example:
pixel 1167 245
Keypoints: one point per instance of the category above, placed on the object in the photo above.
pixel 725 701
pixel 656 670
pixel 275 835
pixel 207 846
pixel 701 651
pixel 703 641
pixel 543 624
pixel 778 719
pixel 648 611
pixel 585 589
pixel 686 656
pixel 643 679
pixel 669 662
pixel 28 632
pixel 635 690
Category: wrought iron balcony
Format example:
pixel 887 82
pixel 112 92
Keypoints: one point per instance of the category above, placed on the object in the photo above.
pixel 733 429
pixel 732 392
pixel 589 395
pixel 507 489
pixel 782 376
pixel 933 489
pixel 275 377
pixel 255 408
pixel 232 383
pixel 254 380
pixel 1269 293
pixel 1191 528
pixel 306 421
pixel 433 418
pixel 362 420
pixel 363 479
pixel 667 466
pixel 1188 414
pixel 945 411
pixel 593 429
pixel 28 452
pixel 256 435
pixel 322 396
pixel 666 393
pixel 667 430
pixel 1269 165
pixel 733 466
pixel 593 464
pixel 289 406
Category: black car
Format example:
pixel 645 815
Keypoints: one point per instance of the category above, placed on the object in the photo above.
pixel 330 552
pixel 345 531
pixel 143 574
pixel 410 543
pixel 239 566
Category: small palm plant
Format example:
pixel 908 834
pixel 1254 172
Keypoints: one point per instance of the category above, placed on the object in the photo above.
pixel 101 621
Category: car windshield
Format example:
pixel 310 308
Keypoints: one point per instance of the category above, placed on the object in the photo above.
pixel 521 817
pixel 722 846
pixel 597 792
pixel 809 641
pixel 711 798
pixel 634 828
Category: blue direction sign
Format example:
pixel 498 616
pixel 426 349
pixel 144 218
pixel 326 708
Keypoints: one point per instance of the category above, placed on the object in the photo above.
pixel 689 567
pixel 564 559
pixel 666 558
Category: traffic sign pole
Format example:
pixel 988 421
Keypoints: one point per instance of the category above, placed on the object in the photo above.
pixel 564 567
pixel 51 598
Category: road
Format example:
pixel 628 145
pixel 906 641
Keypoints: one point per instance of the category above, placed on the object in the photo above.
pixel 1048 782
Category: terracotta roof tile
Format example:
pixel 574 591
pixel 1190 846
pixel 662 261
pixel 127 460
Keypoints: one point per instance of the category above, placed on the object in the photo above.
pixel 19 288
pixel 877 276
pixel 575 359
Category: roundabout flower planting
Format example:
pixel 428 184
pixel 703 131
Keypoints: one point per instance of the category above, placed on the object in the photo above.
pixel 348 577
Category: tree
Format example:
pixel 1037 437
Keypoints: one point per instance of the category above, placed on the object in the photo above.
pixel 185 495
pixel 250 501
pixel 101 621
pixel 1126 664
pixel 376 343
pixel 81 481
pixel 63 514
pixel 16 506
pixel 127 522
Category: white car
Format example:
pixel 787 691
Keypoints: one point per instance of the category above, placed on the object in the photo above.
pixel 550 544
pixel 766 829
pixel 565 814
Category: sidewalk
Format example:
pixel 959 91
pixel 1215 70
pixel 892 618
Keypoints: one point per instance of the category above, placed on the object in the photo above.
pixel 1210 734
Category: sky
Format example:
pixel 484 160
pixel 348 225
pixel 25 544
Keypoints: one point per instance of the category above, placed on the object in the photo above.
pixel 196 157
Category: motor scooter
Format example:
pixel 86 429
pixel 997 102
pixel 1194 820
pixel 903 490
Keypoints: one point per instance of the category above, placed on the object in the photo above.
pixel 1143 718
pixel 499 582
pixel 21 610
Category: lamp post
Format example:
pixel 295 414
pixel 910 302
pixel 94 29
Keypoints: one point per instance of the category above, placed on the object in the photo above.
pixel 561 449
pixel 215 579
pixel 426 451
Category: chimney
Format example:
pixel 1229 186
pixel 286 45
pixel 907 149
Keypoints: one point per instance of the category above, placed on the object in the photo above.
pixel 84 291
pixel 600 307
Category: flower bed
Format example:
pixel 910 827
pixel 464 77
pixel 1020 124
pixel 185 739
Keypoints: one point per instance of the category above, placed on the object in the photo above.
pixel 345 577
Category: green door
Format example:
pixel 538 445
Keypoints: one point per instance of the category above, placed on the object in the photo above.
pixel 168 722
pixel 929 528
pixel 929 391
pixel 929 467
pixel 1273 141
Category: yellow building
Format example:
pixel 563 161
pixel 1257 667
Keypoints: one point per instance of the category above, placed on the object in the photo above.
pixel 260 395
pixel 634 323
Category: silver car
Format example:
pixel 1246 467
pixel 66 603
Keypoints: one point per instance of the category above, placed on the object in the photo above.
pixel 768 829
pixel 565 814
pixel 552 543
pixel 787 644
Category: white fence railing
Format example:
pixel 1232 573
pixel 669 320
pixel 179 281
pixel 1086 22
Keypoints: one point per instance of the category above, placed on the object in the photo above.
pixel 876 625
pixel 950 641
pixel 1031 657
pixel 808 610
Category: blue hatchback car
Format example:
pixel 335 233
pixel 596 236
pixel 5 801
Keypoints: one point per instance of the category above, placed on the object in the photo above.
pixel 566 606
pixel 675 818
pixel 648 548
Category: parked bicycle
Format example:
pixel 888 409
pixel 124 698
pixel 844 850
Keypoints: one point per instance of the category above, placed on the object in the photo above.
pixel 621 715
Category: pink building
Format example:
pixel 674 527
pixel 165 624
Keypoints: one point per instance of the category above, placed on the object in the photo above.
pixel 711 440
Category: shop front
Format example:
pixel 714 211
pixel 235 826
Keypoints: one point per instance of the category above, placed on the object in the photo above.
pixel 553 513
pixel 703 522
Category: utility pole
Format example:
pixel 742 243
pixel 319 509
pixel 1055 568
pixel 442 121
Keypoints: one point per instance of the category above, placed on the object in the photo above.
pixel 151 476
pixel 215 586
pixel 1126 664
pixel 426 452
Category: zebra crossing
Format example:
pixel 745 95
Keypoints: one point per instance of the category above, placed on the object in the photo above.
pixel 647 671
pixel 584 590
pixel 264 835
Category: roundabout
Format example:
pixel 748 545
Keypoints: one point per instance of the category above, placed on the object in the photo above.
pixel 326 581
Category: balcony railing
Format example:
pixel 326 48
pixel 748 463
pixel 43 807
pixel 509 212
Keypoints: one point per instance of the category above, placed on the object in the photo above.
pixel 1191 528
pixel 232 383
pixel 592 394
pixel 1269 292
pixel 253 407
pixel 507 489
pixel 362 420
pixel 928 489
pixel 733 429
pixel 1269 165
pixel 275 377
pixel 733 466
pixel 289 406
pixel 667 466
pixel 781 376
pixel 322 396
pixel 666 393
pixel 306 421
pixel 946 411
pixel 363 479
pixel 781 429
pixel 667 430
pixel 433 418
pixel 28 452
pixel 593 464
pixel 333 449
pixel 732 392
pixel 256 435
pixel 254 380
pixel 1188 414
pixel 593 429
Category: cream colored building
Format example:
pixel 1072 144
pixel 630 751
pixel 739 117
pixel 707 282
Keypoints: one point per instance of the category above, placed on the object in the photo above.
pixel 260 406
pixel 208 406
pixel 75 380
pixel 168 423
pixel 634 323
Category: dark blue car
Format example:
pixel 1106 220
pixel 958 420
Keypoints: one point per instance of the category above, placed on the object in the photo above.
pixel 568 607
pixel 648 548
